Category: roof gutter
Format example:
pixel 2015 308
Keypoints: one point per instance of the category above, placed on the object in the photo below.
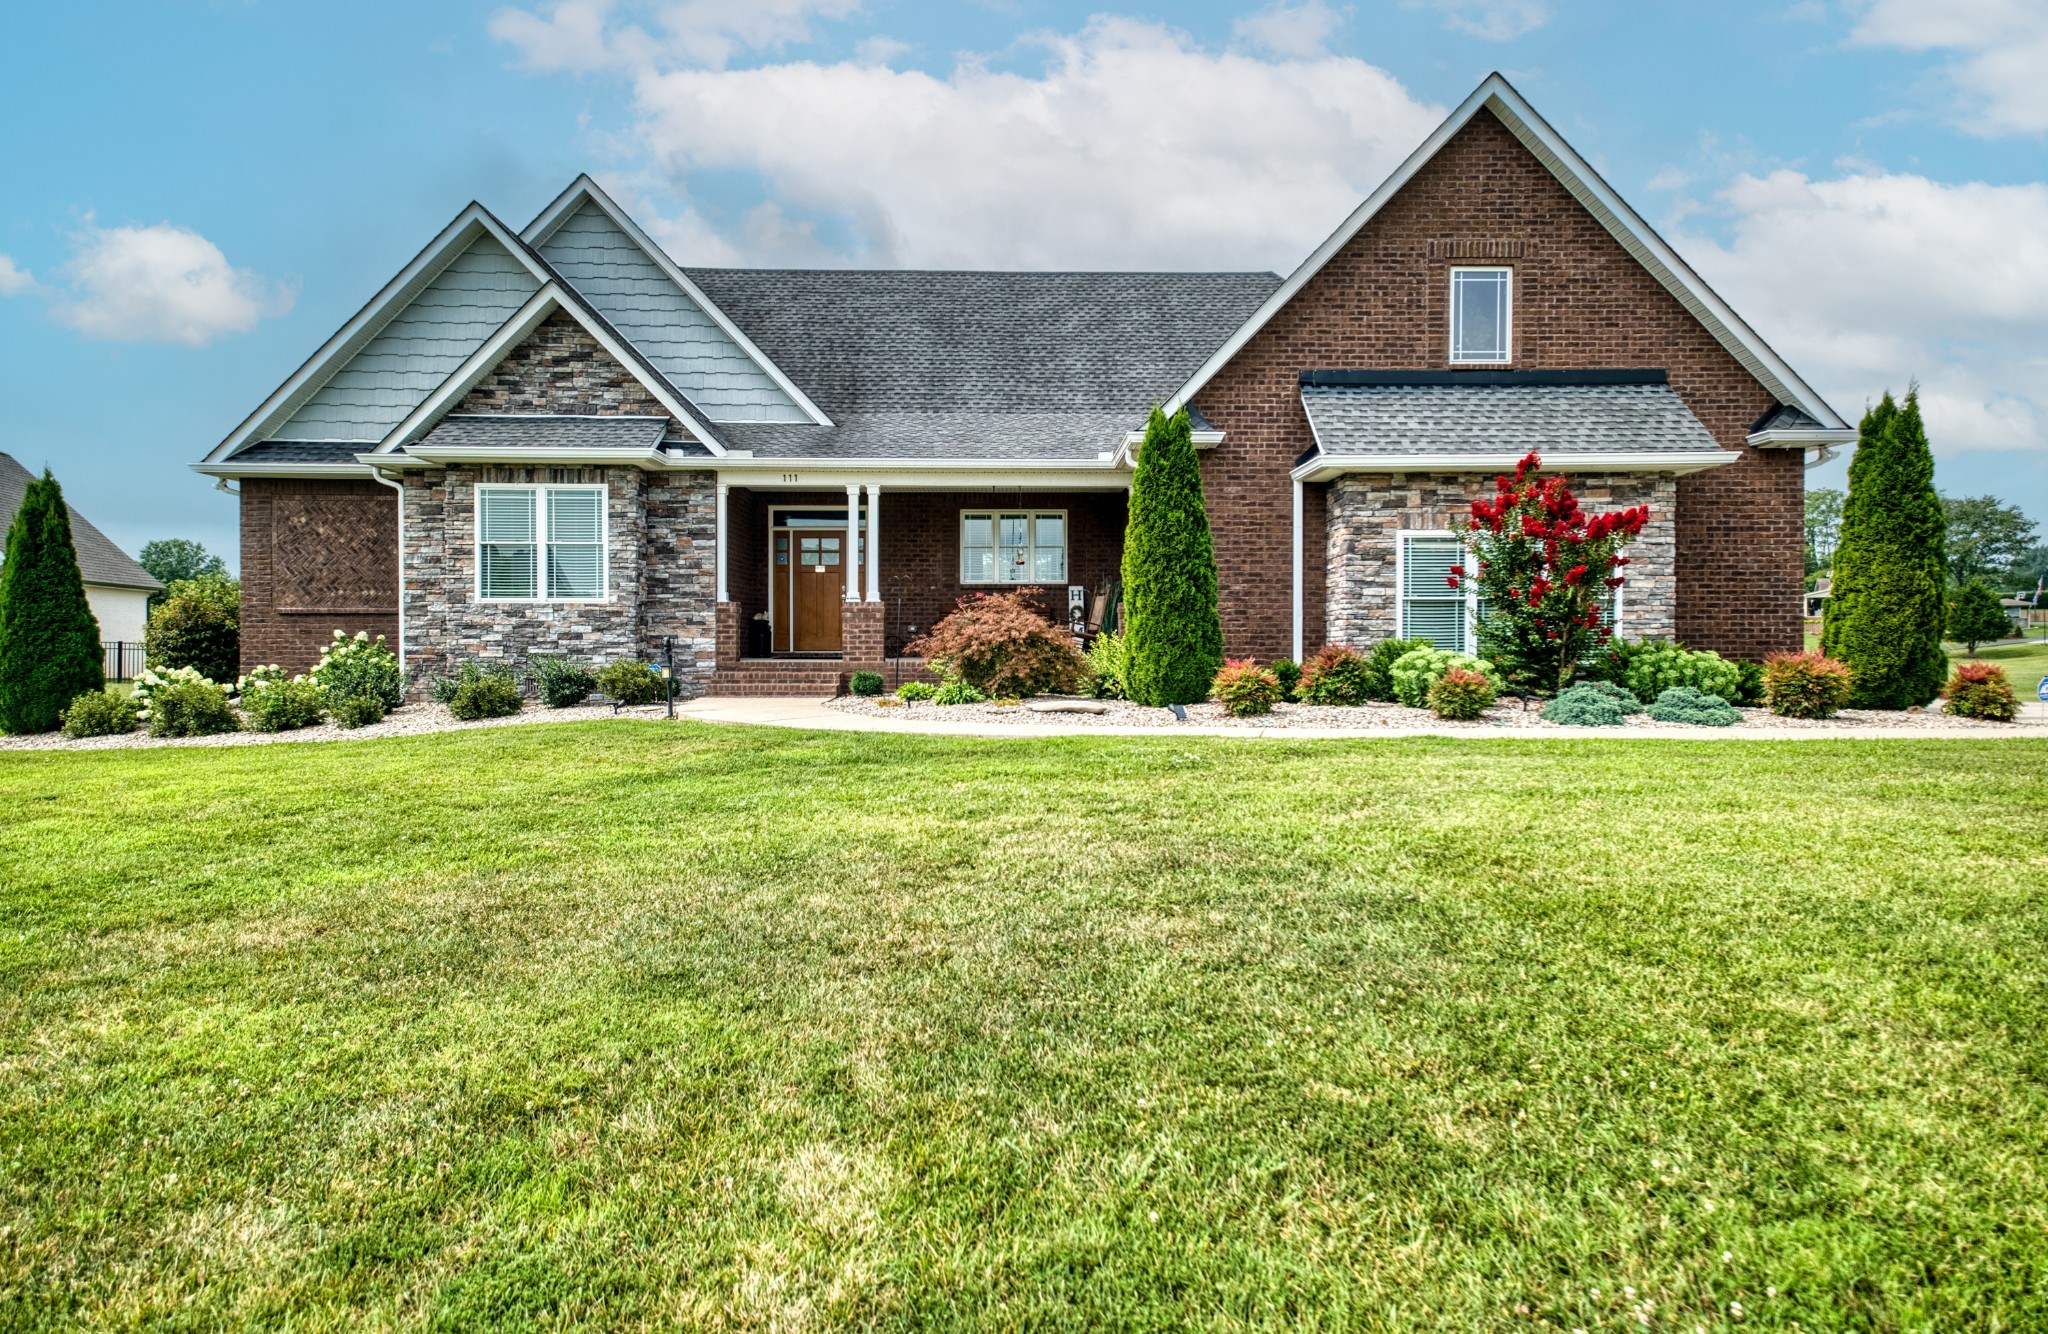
pixel 1323 467
pixel 229 468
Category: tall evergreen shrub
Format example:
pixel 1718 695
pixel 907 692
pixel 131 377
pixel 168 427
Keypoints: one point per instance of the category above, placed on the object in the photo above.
pixel 1174 632
pixel 49 641
pixel 1889 597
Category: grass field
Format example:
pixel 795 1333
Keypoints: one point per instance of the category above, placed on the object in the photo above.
pixel 644 1025
pixel 2025 664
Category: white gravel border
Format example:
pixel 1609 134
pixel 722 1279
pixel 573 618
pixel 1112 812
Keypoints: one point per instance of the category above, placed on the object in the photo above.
pixel 405 720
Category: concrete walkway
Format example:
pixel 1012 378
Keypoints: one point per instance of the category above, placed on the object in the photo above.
pixel 812 714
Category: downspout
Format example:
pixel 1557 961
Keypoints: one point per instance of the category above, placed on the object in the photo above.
pixel 1825 454
pixel 399 487
pixel 1297 569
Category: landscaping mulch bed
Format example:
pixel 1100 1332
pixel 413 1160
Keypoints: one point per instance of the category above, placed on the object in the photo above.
pixel 406 720
pixel 1506 716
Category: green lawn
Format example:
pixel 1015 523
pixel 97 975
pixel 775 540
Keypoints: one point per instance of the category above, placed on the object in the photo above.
pixel 2024 664
pixel 643 1025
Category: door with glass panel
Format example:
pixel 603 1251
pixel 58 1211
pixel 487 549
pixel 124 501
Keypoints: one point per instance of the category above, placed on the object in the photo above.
pixel 807 579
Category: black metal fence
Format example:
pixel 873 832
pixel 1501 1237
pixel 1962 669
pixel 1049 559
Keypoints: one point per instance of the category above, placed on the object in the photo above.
pixel 124 660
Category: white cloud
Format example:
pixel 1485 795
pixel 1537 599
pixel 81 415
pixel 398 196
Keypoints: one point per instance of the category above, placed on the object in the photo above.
pixel 1869 280
pixel 583 35
pixel 161 284
pixel 1495 20
pixel 1297 30
pixel 14 280
pixel 1999 51
pixel 1133 147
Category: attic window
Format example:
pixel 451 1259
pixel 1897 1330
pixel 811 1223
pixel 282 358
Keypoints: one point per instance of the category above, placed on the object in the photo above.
pixel 1482 315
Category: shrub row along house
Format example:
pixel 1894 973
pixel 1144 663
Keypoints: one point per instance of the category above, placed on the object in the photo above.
pixel 559 440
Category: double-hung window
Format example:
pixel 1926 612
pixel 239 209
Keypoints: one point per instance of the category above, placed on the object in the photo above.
pixel 1482 316
pixel 540 543
pixel 1430 608
pixel 1016 548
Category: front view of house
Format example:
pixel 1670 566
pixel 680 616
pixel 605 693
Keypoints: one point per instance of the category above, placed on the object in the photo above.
pixel 560 441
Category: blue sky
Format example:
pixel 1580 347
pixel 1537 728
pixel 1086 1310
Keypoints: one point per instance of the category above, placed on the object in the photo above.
pixel 197 194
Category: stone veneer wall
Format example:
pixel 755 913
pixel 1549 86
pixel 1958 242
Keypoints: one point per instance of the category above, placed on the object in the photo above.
pixel 661 534
pixel 1366 513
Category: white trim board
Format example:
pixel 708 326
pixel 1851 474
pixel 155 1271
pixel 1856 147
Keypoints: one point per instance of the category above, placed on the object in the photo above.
pixel 1637 237
pixel 1322 467
pixel 351 338
pixel 550 298
pixel 584 189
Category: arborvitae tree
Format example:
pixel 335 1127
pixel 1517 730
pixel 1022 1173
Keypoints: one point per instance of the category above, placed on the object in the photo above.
pixel 1888 603
pixel 49 641
pixel 1976 616
pixel 1174 633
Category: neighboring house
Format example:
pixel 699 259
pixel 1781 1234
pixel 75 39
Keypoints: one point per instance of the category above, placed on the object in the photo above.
pixel 116 587
pixel 1817 597
pixel 560 440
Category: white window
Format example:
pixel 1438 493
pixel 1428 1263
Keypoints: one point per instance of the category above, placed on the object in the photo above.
pixel 1430 608
pixel 1482 315
pixel 1024 548
pixel 540 543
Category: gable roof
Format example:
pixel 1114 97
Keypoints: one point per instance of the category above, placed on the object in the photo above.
pixel 661 309
pixel 471 225
pixel 1637 237
pixel 99 560
pixel 553 296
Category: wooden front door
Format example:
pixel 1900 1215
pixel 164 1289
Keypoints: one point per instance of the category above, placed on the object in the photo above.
pixel 809 576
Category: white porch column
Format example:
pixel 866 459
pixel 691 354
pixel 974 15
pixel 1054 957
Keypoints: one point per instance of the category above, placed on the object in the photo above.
pixel 719 545
pixel 852 541
pixel 1297 569
pixel 874 542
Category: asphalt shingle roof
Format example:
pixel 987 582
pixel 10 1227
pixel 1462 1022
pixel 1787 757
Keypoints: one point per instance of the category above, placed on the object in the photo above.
pixel 477 431
pixel 1785 417
pixel 971 365
pixel 1454 419
pixel 99 560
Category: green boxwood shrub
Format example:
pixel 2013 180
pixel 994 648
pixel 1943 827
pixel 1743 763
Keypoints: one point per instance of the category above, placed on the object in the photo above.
pixel 1657 666
pixel 1379 665
pixel 916 692
pixel 1749 690
pixel 488 696
pixel 443 688
pixel 1462 694
pixel 273 702
pixel 1415 671
pixel 1245 689
pixel 181 702
pixel 956 690
pixel 1683 704
pixel 360 666
pixel 353 711
pixel 100 713
pixel 197 624
pixel 561 682
pixel 1288 673
pixel 629 681
pixel 1108 655
pixel 865 684
pixel 1335 675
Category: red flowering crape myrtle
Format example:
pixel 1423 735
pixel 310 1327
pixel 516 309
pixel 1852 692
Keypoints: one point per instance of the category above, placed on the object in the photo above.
pixel 1544 568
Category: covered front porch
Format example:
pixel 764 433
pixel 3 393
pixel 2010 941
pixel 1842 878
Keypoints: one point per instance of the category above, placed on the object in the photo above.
pixel 816 582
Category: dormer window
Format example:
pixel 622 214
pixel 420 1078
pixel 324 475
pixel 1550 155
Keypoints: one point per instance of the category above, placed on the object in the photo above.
pixel 1482 315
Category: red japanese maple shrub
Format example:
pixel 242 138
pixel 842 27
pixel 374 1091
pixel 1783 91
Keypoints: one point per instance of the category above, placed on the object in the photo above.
pixel 1003 647
pixel 1544 567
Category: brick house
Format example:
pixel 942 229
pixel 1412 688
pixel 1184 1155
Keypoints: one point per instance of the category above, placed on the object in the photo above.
pixel 559 440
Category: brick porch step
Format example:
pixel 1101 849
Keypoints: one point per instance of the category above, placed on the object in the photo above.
pixel 782 676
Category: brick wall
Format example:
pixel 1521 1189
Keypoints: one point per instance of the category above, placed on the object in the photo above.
pixel 317 556
pixel 1581 302
pixel 1367 513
